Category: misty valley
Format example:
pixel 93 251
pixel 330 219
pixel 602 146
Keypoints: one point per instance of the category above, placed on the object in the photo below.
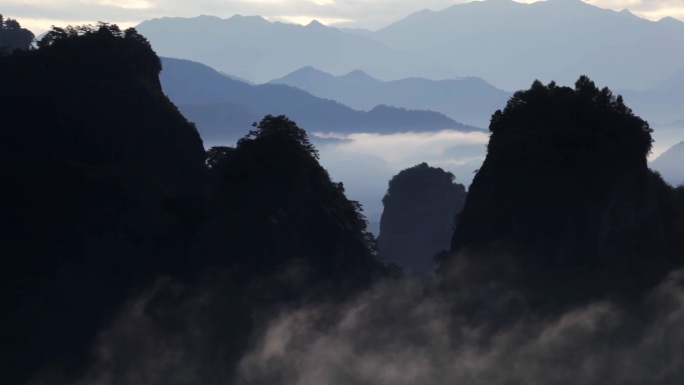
pixel 490 194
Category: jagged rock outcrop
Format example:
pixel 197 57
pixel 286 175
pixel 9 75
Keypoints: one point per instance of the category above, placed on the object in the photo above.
pixel 418 219
pixel 564 206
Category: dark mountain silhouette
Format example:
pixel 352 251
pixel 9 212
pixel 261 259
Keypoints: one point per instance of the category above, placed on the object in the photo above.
pixel 12 36
pixel 102 181
pixel 505 42
pixel 577 214
pixel 220 106
pixel 670 164
pixel 417 222
pixel 275 189
pixel 468 100
pixel 108 192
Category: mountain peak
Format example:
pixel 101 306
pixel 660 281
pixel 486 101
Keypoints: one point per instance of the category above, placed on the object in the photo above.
pixel 486 2
pixel 202 17
pixel 315 24
pixel 669 20
pixel 482 5
pixel 565 3
pixel 358 75
pixel 306 74
pixel 627 12
pixel 497 2
pixel 248 19
pixel 309 70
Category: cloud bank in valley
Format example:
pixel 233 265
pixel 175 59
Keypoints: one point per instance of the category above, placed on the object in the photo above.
pixel 38 15
pixel 365 162
pixel 406 148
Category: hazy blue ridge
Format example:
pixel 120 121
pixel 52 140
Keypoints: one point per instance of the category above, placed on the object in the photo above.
pixel 507 43
pixel 224 108
pixel 470 100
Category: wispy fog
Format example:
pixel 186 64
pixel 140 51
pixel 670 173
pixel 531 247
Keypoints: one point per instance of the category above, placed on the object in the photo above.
pixel 365 162
pixel 394 335
pixel 398 332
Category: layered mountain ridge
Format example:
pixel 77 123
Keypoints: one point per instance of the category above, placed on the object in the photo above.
pixel 505 42
pixel 470 100
pixel 223 107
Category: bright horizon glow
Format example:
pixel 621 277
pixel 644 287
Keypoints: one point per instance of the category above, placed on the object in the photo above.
pixel 40 15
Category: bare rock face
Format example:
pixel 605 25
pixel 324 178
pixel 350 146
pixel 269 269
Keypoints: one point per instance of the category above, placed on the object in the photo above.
pixel 421 205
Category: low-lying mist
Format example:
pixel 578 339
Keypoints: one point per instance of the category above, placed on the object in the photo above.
pixel 365 162
pixel 396 334
pixel 399 331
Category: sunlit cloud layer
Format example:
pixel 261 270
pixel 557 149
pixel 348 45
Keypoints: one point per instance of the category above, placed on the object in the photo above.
pixel 38 15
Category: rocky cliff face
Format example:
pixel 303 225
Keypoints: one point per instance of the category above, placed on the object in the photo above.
pixel 565 200
pixel 421 205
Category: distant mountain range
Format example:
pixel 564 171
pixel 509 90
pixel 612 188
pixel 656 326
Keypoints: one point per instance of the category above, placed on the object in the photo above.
pixel 662 106
pixel 510 43
pixel 255 49
pixel 662 103
pixel 670 164
pixel 224 108
pixel 469 100
pixel 472 100
pixel 505 42
pixel 665 136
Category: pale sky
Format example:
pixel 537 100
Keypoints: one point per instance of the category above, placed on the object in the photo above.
pixel 39 15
